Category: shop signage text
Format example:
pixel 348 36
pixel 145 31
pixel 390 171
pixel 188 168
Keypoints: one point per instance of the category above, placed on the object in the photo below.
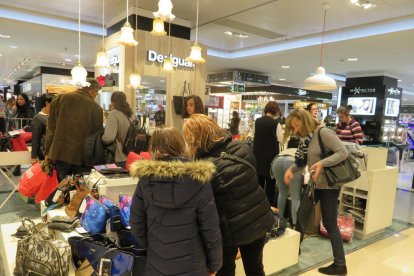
pixel 359 90
pixel 305 104
pixel 114 60
pixel 177 62
pixel 302 92
pixel 394 91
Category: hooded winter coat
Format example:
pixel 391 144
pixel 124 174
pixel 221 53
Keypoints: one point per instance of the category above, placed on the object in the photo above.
pixel 244 212
pixel 173 215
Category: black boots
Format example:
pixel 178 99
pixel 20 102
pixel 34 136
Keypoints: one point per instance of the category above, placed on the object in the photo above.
pixel 333 269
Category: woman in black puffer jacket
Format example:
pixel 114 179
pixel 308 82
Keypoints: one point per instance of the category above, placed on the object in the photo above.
pixel 244 212
pixel 173 214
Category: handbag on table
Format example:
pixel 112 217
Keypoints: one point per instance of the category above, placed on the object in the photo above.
pixel 340 173
pixel 39 254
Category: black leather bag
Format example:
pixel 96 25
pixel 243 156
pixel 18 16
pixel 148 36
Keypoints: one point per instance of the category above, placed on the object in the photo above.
pixel 340 173
pixel 306 213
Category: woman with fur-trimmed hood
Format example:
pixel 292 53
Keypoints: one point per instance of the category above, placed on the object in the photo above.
pixel 173 213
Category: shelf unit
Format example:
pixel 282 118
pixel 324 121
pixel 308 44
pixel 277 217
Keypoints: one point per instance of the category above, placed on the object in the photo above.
pixel 372 195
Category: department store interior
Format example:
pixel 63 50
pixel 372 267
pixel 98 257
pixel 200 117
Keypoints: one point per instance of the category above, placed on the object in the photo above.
pixel 237 56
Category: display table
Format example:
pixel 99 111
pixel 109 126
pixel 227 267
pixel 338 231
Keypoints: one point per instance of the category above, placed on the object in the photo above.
pixel 278 253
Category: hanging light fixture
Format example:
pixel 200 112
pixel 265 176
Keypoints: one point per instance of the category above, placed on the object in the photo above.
pixel 135 77
pixel 158 27
pixel 127 33
pixel 164 10
pixel 78 72
pixel 102 60
pixel 320 81
pixel 168 65
pixel 195 55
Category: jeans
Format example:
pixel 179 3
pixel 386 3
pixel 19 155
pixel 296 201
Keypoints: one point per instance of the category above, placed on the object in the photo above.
pixel 252 257
pixel 268 185
pixel 279 167
pixel 329 208
pixel 63 169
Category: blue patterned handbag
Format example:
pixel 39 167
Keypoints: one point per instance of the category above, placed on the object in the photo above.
pixel 125 208
pixel 95 215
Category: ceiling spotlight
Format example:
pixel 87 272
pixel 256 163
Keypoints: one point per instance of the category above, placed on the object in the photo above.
pixel 399 80
pixel 27 59
pixel 4 36
pixel 354 1
pixel 352 59
pixel 366 4
pixel 1 55
pixel 68 59
pixel 228 33
pixel 285 66
pixel 13 47
pixel 241 35
pixel 282 79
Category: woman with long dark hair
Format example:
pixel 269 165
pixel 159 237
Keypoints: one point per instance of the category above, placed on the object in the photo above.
pixel 193 105
pixel 24 111
pixel 117 125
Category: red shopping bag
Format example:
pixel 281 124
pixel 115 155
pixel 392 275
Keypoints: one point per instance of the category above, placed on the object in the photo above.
pixel 19 144
pixel 132 157
pixel 35 182
pixel 346 225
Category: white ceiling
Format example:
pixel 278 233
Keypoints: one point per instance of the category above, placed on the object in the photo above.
pixel 298 22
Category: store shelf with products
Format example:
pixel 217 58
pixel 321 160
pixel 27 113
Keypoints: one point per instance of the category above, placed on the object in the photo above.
pixel 370 198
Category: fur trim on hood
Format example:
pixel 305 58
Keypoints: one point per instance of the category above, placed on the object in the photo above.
pixel 201 170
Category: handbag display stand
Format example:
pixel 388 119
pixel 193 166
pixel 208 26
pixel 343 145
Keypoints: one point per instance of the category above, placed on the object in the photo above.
pixel 13 159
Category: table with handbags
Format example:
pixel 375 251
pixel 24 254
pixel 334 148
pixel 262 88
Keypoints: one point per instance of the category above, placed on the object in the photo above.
pixel 83 228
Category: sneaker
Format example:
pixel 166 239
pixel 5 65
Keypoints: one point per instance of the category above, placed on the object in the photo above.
pixel 333 269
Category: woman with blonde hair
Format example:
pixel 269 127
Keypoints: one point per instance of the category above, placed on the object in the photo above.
pixel 301 123
pixel 244 212
pixel 173 214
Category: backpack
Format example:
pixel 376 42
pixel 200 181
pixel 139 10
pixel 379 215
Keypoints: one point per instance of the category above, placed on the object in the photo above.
pixel 136 139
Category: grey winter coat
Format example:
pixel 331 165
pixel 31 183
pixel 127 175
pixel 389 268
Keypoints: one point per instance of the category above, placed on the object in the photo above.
pixel 173 215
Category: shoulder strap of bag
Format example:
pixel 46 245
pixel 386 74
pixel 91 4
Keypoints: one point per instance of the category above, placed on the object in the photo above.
pixel 225 155
pixel 321 145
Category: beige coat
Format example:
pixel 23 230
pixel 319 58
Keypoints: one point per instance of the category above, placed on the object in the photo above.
pixel 73 117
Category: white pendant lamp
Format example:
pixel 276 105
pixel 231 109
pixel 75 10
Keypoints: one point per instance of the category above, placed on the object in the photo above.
pixel 164 10
pixel 102 59
pixel 135 78
pixel 195 55
pixel 158 27
pixel 127 33
pixel 168 65
pixel 78 72
pixel 320 81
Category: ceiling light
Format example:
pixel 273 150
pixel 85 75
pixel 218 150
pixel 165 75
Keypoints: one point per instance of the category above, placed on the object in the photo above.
pixel 102 60
pixel 1 55
pixel 282 79
pixel 195 54
pixel 241 35
pixel 13 47
pixel 321 81
pixel 78 72
pixel 158 27
pixel 352 59
pixel 4 36
pixel 68 60
pixel 405 100
pixel 399 80
pixel 164 10
pixel 135 80
pixel 285 66
pixel 354 1
pixel 26 59
pixel 366 4
pixel 18 67
pixel 127 36
pixel 228 33
pixel 168 65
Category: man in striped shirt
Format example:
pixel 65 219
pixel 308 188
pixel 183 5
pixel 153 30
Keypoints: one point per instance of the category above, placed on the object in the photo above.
pixel 348 129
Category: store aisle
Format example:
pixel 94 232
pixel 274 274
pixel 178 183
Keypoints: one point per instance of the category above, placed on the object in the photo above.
pixel 391 256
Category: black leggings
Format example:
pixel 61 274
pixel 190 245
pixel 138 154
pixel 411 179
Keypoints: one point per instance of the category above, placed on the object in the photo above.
pixel 268 185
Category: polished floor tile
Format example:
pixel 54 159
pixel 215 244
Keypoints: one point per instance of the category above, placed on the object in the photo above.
pixel 391 256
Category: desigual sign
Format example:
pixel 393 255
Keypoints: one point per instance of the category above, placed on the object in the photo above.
pixel 359 90
pixel 177 62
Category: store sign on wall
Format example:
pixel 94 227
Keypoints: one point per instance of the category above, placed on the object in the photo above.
pixel 302 92
pixel 177 62
pixel 305 104
pixel 394 91
pixel 359 90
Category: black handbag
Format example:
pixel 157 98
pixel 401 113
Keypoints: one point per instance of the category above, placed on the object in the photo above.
pixel 340 173
pixel 306 212
pixel 179 101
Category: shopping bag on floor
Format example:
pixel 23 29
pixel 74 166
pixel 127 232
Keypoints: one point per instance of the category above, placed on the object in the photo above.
pixel 346 225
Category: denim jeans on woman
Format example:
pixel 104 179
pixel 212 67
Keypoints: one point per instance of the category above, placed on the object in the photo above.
pixel 279 167
pixel 329 208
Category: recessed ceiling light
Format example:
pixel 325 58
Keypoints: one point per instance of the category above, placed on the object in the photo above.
pixel 285 66
pixel 241 35
pixel 399 80
pixel 18 67
pixel 282 79
pixel 1 55
pixel 4 36
pixel 352 59
pixel 27 59
pixel 13 47
pixel 405 100
pixel 68 60
pixel 228 33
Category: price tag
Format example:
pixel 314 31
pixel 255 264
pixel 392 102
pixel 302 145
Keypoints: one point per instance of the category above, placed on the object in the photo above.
pixel 71 194
pixel 57 195
pixel 82 208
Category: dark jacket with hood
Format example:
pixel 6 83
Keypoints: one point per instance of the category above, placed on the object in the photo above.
pixel 173 215
pixel 244 212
